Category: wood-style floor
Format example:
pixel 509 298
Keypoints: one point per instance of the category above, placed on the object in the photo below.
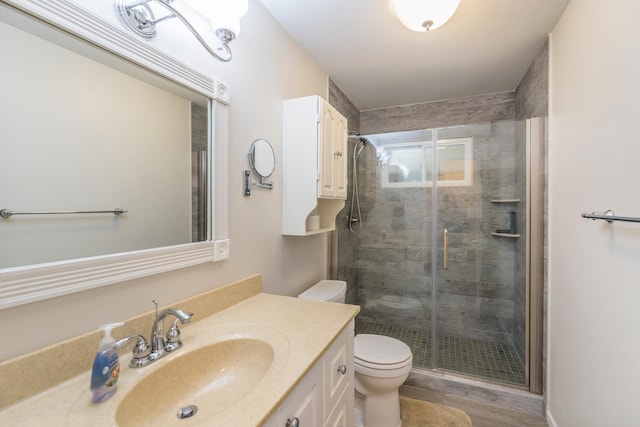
pixel 481 415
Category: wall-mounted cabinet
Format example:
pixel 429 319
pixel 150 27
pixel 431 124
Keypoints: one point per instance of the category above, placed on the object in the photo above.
pixel 314 165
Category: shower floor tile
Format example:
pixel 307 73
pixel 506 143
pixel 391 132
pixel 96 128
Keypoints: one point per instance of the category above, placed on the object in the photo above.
pixel 485 359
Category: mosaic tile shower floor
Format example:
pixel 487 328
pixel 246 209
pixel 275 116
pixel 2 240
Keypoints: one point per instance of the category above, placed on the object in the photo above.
pixel 485 359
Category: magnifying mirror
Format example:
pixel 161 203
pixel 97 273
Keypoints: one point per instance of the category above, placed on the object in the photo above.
pixel 262 160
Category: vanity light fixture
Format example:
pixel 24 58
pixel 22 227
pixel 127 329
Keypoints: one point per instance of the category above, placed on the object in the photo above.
pixel 425 15
pixel 206 19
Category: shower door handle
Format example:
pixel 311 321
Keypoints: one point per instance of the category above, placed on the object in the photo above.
pixel 446 249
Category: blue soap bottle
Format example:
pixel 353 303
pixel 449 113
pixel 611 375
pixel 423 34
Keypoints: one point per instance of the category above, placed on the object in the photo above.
pixel 106 366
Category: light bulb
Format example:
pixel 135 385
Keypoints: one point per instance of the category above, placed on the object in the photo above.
pixel 222 13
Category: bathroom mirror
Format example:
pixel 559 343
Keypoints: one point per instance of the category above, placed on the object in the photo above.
pixel 93 119
pixel 262 158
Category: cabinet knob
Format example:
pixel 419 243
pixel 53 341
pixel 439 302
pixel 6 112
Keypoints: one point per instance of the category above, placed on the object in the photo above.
pixel 293 422
pixel 342 369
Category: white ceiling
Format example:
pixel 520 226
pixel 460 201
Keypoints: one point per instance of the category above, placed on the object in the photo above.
pixel 486 47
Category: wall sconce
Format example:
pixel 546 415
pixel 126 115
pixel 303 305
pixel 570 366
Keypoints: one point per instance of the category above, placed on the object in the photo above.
pixel 425 15
pixel 222 18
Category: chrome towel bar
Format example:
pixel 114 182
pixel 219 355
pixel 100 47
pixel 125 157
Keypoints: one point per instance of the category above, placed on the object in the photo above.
pixel 6 213
pixel 609 216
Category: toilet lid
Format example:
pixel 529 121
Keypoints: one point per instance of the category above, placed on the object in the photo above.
pixel 380 350
pixel 324 290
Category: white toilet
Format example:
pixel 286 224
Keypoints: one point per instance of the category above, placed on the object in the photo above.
pixel 381 363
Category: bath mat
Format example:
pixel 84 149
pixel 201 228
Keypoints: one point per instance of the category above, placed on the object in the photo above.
pixel 420 413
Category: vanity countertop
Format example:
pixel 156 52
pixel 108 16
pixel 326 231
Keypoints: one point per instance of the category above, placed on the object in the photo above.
pixel 303 330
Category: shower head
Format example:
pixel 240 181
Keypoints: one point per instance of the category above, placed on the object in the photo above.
pixel 359 146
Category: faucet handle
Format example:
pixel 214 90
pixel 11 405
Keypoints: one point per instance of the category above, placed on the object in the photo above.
pixel 173 341
pixel 140 352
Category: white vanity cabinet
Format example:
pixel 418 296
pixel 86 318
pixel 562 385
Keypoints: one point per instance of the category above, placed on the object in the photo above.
pixel 324 397
pixel 314 165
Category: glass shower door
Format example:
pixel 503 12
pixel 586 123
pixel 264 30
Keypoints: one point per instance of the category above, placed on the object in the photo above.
pixel 447 253
pixel 480 258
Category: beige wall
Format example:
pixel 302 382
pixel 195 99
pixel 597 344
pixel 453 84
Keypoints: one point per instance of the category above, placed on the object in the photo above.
pixel 267 68
pixel 594 345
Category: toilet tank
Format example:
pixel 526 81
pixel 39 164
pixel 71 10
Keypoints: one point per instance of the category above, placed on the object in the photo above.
pixel 326 290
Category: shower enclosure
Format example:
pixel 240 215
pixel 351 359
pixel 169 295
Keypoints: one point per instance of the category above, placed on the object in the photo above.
pixel 440 243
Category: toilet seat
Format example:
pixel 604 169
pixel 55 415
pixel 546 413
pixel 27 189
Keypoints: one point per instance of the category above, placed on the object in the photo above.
pixel 380 352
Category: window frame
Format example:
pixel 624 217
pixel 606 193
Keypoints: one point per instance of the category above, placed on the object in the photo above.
pixel 467 181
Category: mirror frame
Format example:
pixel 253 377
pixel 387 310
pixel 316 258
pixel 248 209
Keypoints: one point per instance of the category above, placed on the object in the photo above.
pixel 26 284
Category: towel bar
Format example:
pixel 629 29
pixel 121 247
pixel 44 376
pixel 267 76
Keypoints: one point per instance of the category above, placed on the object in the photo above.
pixel 7 213
pixel 609 216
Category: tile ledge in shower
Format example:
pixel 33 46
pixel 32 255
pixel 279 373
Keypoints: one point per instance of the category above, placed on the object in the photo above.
pixel 513 236
pixel 505 201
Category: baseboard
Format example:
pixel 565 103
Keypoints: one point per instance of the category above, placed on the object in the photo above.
pixel 478 391
pixel 550 420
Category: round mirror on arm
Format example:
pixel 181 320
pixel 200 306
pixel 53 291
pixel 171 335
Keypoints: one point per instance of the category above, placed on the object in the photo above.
pixel 262 160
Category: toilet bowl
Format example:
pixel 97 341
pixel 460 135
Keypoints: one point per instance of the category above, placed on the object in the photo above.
pixel 381 365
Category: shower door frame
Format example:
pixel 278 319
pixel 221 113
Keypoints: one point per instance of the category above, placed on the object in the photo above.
pixel 535 140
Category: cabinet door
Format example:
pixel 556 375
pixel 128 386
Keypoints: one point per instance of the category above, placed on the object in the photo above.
pixel 326 150
pixel 304 402
pixel 338 376
pixel 340 160
pixel 342 415
pixel 338 373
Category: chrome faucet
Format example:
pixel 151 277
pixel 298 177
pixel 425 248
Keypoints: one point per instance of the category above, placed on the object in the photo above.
pixel 160 345
pixel 145 353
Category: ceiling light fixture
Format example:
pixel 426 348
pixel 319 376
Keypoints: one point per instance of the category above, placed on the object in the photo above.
pixel 425 15
pixel 222 18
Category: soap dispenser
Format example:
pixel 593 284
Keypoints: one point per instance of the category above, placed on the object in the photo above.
pixel 106 366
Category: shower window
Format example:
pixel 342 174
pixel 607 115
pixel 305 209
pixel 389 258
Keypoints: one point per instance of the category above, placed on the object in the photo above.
pixel 411 164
